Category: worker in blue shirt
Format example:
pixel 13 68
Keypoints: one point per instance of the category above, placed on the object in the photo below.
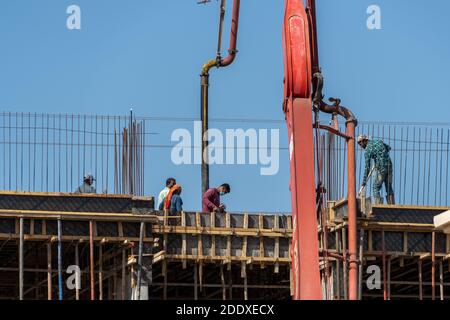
pixel 176 203
pixel 378 151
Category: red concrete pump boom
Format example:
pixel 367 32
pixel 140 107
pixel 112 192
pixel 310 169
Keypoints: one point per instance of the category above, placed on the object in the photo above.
pixel 297 106
pixel 303 85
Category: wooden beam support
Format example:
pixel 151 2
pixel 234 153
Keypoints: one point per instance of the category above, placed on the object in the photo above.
pixel 49 270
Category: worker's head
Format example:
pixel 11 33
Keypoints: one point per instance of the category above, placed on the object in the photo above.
pixel 170 182
pixel 177 189
pixel 363 140
pixel 224 189
pixel 89 178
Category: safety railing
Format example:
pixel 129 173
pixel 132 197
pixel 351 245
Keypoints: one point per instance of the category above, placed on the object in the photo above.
pixel 53 152
pixel 420 153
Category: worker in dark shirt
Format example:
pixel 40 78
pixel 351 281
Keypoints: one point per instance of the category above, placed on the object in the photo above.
pixel 211 198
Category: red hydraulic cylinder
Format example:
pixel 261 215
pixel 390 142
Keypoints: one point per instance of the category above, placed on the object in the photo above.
pixel 298 110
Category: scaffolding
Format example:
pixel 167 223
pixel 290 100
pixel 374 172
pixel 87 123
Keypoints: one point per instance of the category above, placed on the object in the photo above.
pixel 126 250
pixel 398 252
pixel 121 244
pixel 401 254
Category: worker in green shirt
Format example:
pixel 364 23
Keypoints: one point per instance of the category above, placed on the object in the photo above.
pixel 378 151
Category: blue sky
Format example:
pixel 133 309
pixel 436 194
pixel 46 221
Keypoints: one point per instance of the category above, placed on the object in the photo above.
pixel 147 54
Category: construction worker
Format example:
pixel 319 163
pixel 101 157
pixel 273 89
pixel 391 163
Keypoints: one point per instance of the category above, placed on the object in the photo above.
pixel 211 198
pixel 173 202
pixel 87 186
pixel 378 151
pixel 170 182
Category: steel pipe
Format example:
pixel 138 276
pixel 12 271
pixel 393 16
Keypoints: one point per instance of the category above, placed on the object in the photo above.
pixel 49 270
pixel 433 265
pixel 204 84
pixel 139 270
pixel 352 219
pixel 60 278
pixel 21 240
pixel 91 258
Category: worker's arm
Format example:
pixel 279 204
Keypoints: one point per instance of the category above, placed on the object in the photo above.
pixel 211 206
pixel 366 169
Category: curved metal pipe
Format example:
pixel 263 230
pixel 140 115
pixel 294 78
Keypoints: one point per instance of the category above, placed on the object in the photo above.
pixel 351 123
pixel 232 51
pixel 204 94
pixel 335 108
pixel 208 66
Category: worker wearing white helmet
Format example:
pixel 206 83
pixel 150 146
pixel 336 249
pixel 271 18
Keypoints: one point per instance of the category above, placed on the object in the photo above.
pixel 378 151
pixel 87 186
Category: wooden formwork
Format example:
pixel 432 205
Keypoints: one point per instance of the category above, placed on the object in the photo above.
pixel 123 244
pixel 232 256
pixel 131 246
pixel 398 243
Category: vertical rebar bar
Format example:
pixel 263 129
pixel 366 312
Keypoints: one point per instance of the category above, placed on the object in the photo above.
pixel 107 156
pixel 405 177
pixel 399 190
pixel 413 163
pixel 77 263
pixel 441 280
pixel 420 280
pixel 139 270
pixel 91 258
pixel 21 257
pixel 361 257
pixel 100 271
pixel 60 278
pixel 429 166
pixel 441 161
pixel 446 167
pixel 383 248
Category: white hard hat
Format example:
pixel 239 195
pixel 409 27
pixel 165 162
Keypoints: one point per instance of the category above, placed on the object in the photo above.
pixel 362 137
pixel 89 176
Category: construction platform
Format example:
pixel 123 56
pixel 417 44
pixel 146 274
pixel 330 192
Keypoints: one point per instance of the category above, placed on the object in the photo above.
pixel 411 255
pixel 120 243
